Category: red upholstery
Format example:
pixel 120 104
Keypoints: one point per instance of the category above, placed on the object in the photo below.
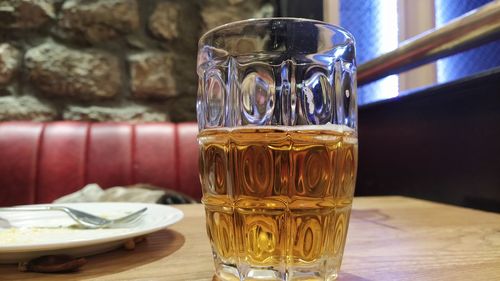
pixel 18 161
pixel 110 154
pixel 154 154
pixel 40 162
pixel 187 157
pixel 61 168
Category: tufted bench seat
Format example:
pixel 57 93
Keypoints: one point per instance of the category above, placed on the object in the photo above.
pixel 40 162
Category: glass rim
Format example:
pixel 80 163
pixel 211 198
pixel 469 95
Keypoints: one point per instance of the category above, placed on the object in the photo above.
pixel 289 19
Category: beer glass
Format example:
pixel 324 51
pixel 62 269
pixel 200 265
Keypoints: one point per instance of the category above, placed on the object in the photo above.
pixel 276 109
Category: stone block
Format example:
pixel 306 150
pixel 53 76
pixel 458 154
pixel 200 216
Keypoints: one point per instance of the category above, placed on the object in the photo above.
pixel 96 21
pixel 164 21
pixel 83 74
pixel 218 12
pixel 120 113
pixel 151 75
pixel 25 108
pixel 10 60
pixel 25 14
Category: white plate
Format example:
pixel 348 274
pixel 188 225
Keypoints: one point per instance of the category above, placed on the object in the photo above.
pixel 27 235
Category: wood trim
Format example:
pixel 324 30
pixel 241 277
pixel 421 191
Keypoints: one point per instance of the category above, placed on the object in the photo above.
pixel 416 17
pixel 331 11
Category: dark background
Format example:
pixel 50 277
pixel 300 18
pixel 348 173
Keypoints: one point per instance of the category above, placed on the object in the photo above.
pixel 310 9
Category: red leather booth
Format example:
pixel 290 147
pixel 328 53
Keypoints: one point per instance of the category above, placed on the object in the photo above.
pixel 40 162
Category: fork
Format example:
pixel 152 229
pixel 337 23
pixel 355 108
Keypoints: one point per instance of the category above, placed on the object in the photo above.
pixel 83 219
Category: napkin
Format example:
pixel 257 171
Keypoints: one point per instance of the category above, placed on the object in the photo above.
pixel 141 193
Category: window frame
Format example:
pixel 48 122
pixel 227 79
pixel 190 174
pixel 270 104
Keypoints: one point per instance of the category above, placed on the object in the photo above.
pixel 414 18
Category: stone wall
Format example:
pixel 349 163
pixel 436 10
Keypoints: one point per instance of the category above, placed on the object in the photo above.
pixel 106 60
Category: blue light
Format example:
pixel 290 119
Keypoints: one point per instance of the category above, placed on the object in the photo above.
pixel 374 25
pixel 471 61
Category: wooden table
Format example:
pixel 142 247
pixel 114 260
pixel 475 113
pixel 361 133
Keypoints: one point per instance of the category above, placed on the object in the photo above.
pixel 390 238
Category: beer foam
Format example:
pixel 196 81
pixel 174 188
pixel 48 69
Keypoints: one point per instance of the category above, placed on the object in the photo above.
pixel 325 127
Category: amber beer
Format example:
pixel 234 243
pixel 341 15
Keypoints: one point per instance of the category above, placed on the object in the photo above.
pixel 278 197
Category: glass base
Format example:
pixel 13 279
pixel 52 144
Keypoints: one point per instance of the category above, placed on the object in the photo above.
pixel 300 258
pixel 226 272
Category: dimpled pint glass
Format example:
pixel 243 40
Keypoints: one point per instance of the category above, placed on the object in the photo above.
pixel 278 147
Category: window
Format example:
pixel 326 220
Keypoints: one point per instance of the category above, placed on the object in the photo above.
pixel 380 26
pixel 471 61
pixel 374 24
